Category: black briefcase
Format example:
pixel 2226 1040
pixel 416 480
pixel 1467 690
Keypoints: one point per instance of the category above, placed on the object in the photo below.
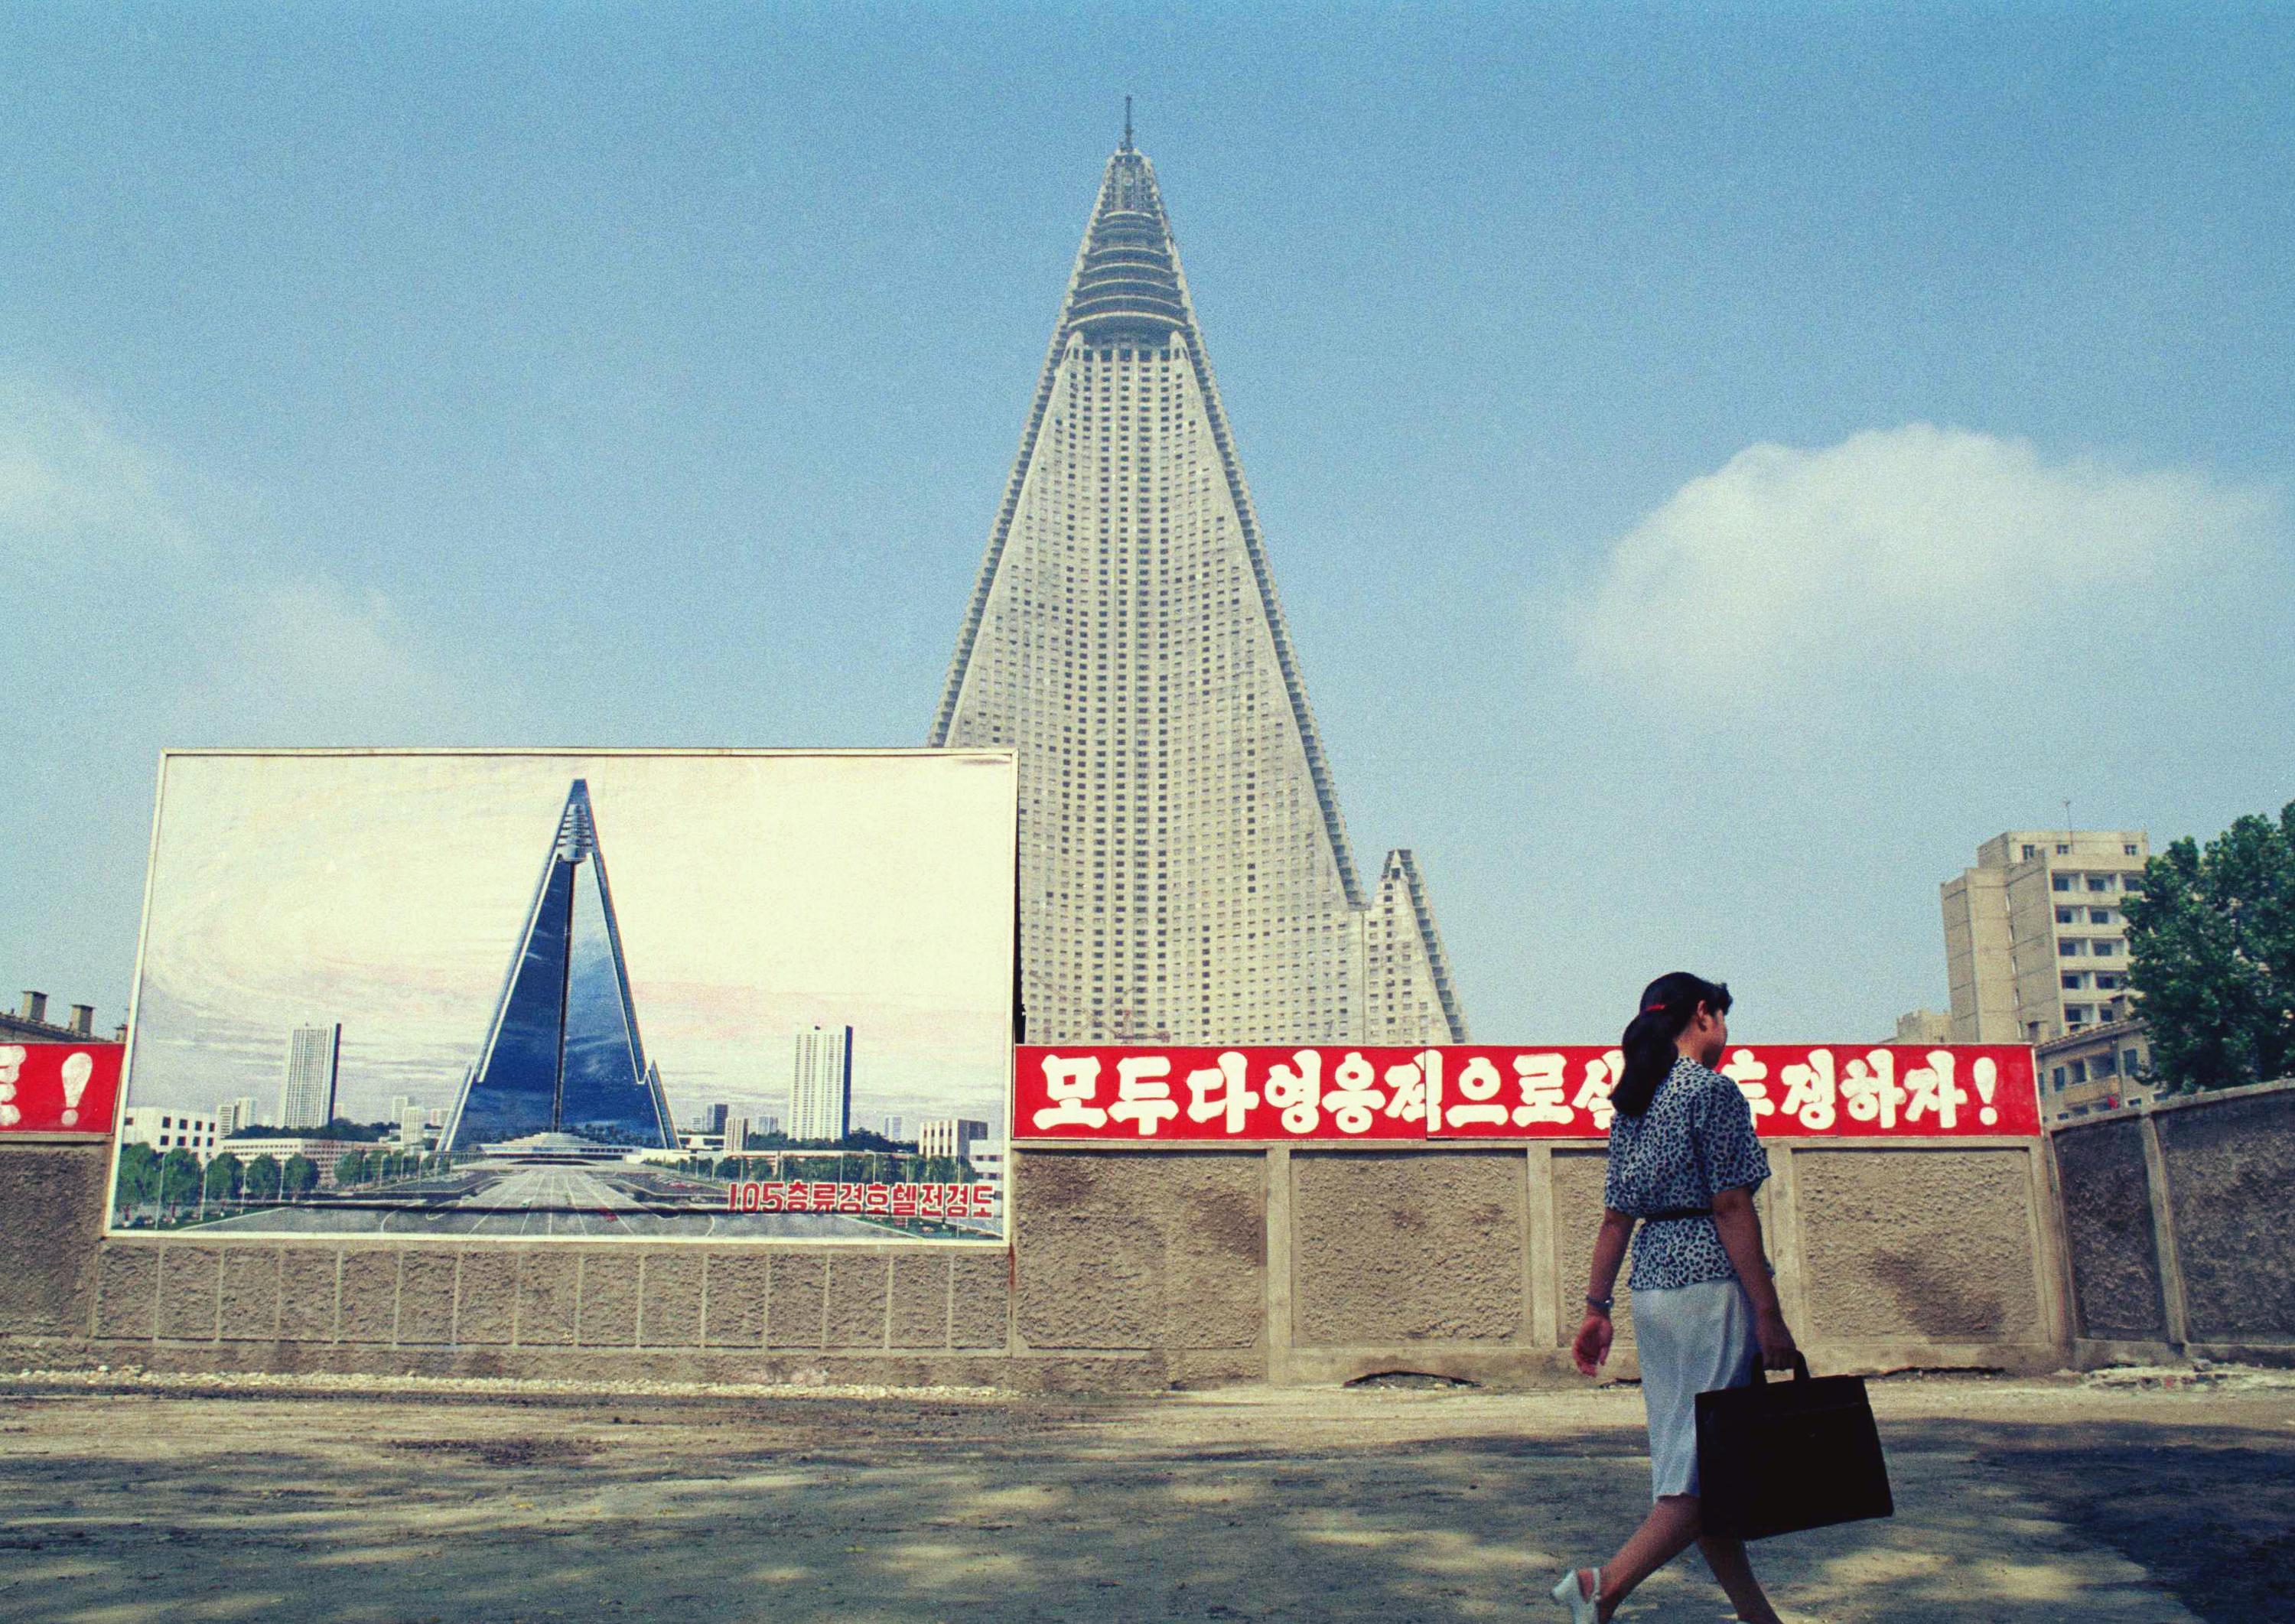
pixel 1780 1456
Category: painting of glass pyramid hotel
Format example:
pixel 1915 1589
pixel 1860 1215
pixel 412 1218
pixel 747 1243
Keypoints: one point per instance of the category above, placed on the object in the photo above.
pixel 401 992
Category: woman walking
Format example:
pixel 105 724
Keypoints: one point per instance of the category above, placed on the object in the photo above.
pixel 1684 1163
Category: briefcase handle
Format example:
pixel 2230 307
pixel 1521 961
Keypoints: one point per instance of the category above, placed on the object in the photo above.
pixel 1800 1369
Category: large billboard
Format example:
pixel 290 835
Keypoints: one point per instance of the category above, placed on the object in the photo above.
pixel 1336 1094
pixel 574 994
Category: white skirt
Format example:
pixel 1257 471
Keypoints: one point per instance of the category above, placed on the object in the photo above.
pixel 1692 1338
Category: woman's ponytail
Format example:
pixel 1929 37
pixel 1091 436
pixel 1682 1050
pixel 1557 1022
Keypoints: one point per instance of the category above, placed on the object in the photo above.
pixel 1669 1004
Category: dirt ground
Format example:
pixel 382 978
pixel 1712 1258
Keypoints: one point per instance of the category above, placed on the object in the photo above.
pixel 2018 1502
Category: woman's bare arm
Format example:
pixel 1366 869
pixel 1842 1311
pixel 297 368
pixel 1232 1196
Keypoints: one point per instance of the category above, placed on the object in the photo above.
pixel 1591 1345
pixel 1740 1224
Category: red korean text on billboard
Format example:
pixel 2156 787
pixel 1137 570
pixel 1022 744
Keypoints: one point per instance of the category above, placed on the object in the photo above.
pixel 59 1087
pixel 922 1201
pixel 1270 1095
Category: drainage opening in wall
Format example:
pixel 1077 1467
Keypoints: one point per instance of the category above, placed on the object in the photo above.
pixel 1409 1381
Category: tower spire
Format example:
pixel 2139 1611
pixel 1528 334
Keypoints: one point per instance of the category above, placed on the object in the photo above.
pixel 1127 124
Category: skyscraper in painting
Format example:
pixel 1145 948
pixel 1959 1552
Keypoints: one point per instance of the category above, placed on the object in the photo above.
pixel 821 1087
pixel 1184 871
pixel 562 1054
pixel 306 1096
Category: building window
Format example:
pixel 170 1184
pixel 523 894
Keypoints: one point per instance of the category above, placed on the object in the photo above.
pixel 2063 851
pixel 2031 851
pixel 2099 882
pixel 2080 1071
pixel 2099 915
pixel 2105 1065
pixel 2068 948
pixel 2128 850
pixel 2061 882
pixel 2075 1015
pixel 2067 916
pixel 2104 948
pixel 2131 1061
pixel 2060 1079
pixel 2073 981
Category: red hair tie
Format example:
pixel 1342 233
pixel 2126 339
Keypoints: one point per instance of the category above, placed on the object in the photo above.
pixel 1652 1009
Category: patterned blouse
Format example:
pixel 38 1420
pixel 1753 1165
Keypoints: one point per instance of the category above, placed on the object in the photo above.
pixel 1696 1138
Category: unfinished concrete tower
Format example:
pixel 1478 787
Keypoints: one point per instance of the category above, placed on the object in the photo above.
pixel 1185 873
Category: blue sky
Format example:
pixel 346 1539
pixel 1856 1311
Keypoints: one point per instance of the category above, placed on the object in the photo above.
pixel 1719 466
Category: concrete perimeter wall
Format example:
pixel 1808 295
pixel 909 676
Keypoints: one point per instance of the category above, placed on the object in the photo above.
pixel 2181 1224
pixel 1130 1269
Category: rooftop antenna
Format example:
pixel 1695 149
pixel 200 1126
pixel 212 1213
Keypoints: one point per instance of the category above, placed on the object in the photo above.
pixel 1127 124
pixel 2068 817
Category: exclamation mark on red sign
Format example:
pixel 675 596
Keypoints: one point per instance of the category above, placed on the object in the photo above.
pixel 76 1070
pixel 1986 1076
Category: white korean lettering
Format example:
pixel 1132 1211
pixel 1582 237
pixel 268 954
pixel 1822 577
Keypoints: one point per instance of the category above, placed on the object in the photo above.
pixel 1812 1092
pixel 11 1064
pixel 1750 1076
pixel 1870 1087
pixel 1353 1100
pixel 1071 1085
pixel 1219 1091
pixel 1406 1089
pixel 1143 1092
pixel 1601 1076
pixel 1300 1092
pixel 1478 1105
pixel 1544 1083
pixel 1930 1091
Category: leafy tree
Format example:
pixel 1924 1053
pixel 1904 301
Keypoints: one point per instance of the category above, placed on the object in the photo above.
pixel 729 1168
pixel 139 1177
pixel 262 1177
pixel 352 1168
pixel 226 1177
pixel 299 1177
pixel 2211 950
pixel 179 1177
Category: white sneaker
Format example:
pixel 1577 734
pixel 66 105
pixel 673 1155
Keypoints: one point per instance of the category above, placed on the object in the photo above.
pixel 1572 1594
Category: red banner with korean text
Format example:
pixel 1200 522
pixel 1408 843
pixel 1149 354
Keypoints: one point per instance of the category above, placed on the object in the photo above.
pixel 1335 1093
pixel 59 1087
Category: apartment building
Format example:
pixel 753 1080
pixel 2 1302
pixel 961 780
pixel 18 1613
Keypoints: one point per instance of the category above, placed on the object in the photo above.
pixel 2036 942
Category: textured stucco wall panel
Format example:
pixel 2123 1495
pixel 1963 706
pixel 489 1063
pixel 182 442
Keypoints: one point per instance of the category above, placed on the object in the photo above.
pixel 609 1299
pixel 128 1291
pixel 188 1280
pixel 426 1296
pixel 1934 1244
pixel 2115 1262
pixel 370 1295
pixel 1120 1249
pixel 306 1293
pixel 672 1300
pixel 856 1300
pixel 485 1297
pixel 1577 1176
pixel 51 1213
pixel 920 1300
pixel 735 1306
pixel 548 1288
pixel 250 1294
pixel 2231 1184
pixel 980 1298
pixel 795 1292
pixel 1407 1247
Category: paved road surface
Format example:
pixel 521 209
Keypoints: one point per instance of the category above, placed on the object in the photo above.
pixel 2020 1503
pixel 536 1200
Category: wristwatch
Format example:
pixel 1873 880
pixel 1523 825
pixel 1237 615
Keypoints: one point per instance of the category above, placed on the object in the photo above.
pixel 1603 1304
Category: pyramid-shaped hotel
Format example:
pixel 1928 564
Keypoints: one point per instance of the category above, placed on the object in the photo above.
pixel 1185 874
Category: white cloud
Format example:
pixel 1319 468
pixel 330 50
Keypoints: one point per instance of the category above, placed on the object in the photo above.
pixel 71 486
pixel 169 605
pixel 1901 553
